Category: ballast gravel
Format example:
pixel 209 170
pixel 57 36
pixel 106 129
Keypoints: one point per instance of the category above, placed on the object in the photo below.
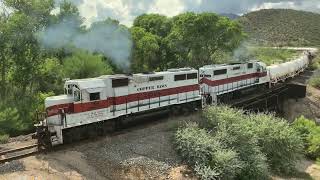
pixel 12 166
pixel 144 152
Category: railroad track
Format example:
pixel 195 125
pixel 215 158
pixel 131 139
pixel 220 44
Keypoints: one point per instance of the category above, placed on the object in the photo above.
pixel 18 153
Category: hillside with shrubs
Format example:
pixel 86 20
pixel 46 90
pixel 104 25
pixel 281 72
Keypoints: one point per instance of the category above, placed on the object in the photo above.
pixel 282 27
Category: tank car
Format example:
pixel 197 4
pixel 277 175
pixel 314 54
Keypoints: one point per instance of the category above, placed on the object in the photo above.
pixel 281 72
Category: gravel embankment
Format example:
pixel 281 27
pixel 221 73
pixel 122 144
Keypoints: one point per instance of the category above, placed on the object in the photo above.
pixel 145 152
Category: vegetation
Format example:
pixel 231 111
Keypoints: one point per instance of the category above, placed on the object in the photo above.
pixel 228 144
pixel 39 50
pixel 310 133
pixel 315 82
pixel 282 27
pixel 187 39
pixel 273 56
pixel 4 138
pixel 316 63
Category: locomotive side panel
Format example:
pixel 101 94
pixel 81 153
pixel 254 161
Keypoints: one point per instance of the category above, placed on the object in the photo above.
pixel 221 79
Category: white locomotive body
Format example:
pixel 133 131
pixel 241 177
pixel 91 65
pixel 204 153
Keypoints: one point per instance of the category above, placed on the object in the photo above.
pixel 93 100
pixel 216 80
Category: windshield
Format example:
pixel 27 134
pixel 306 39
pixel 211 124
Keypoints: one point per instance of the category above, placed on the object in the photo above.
pixel 68 90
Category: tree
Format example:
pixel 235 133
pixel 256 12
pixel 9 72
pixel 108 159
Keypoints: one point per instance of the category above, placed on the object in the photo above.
pixel 154 23
pixel 145 50
pixel 38 10
pixel 28 17
pixel 4 62
pixel 50 77
pixel 195 38
pixel 85 65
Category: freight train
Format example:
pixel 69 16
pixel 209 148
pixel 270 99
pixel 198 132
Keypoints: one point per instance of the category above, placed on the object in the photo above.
pixel 97 105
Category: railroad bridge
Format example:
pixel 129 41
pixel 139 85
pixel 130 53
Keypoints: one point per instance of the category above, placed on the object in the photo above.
pixel 272 99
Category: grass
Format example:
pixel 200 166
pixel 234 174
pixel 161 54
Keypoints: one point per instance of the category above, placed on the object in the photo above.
pixel 4 138
pixel 271 55
pixel 315 82
pixel 316 63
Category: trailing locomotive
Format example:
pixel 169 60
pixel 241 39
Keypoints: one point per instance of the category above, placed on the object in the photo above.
pixel 96 105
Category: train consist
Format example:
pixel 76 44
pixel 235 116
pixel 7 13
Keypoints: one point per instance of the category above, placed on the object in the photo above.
pixel 97 105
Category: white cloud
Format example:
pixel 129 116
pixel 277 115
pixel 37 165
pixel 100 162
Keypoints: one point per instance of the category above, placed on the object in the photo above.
pixel 126 10
pixel 306 5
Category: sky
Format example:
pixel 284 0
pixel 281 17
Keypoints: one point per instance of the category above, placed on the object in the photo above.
pixel 126 10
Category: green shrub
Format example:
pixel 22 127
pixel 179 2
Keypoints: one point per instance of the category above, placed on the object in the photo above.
pixel 278 141
pixel 256 142
pixel 315 65
pixel 242 141
pixel 315 82
pixel 310 134
pixel 316 62
pixel 230 128
pixel 205 154
pixel 4 138
pixel 9 120
pixel 216 115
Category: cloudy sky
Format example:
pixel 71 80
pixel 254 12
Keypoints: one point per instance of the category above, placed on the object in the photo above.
pixel 126 10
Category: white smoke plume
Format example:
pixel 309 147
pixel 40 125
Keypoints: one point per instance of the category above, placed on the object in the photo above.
pixel 242 53
pixel 107 39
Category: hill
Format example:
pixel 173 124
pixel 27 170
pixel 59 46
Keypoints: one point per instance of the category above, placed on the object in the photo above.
pixel 230 15
pixel 282 27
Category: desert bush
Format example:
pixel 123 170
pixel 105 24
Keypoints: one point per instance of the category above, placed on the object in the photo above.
pixel 315 62
pixel 215 115
pixel 310 134
pixel 258 142
pixel 228 126
pixel 4 138
pixel 315 65
pixel 280 143
pixel 206 155
pixel 315 82
pixel 242 141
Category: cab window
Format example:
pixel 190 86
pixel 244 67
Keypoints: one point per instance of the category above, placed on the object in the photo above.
pixel 220 72
pixel 69 90
pixel 76 96
pixel 94 96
